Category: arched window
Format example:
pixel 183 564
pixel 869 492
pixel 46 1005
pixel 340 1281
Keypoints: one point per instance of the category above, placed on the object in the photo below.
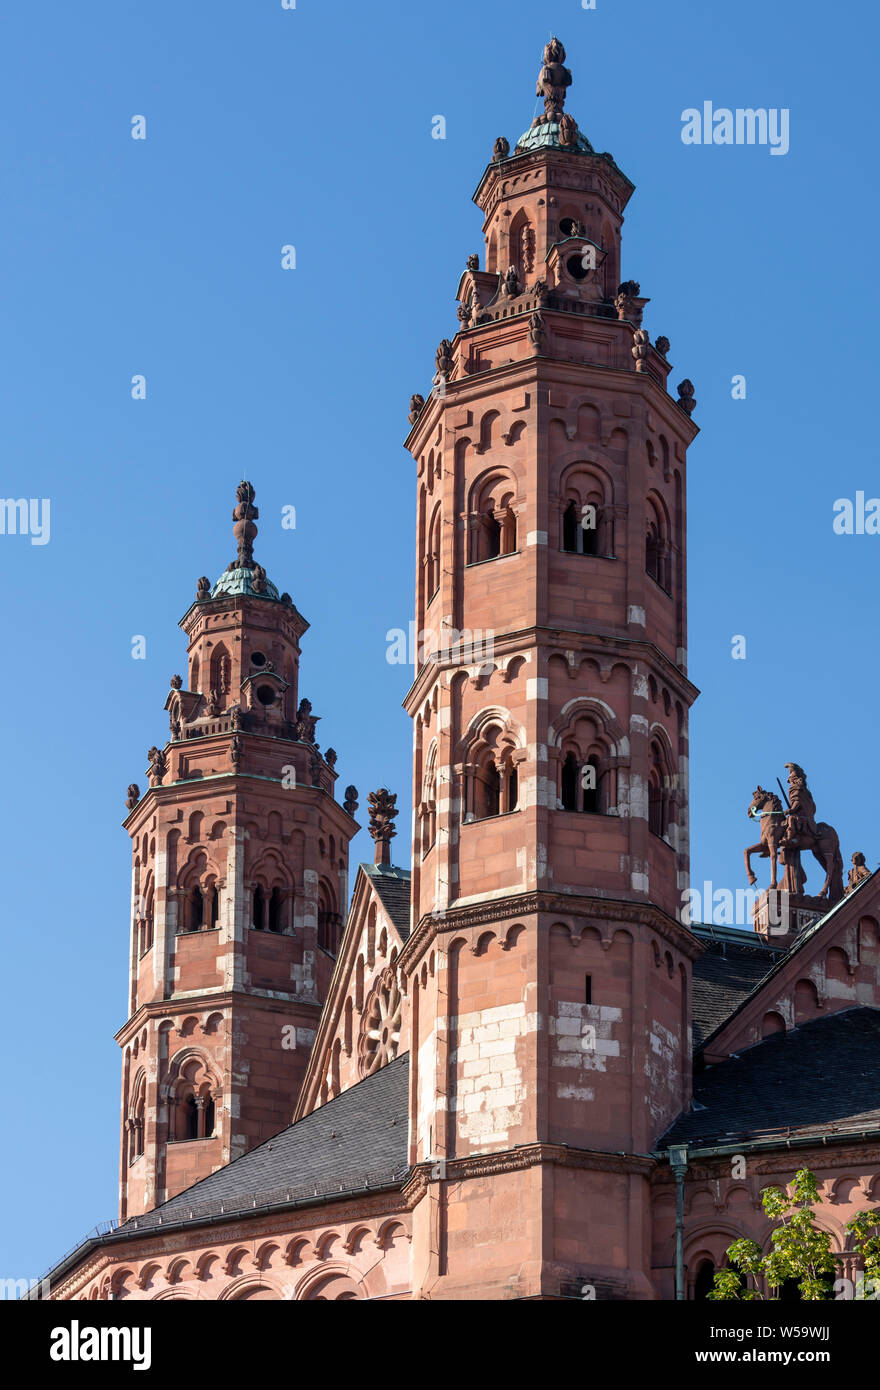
pixel 137 1115
pixel 582 527
pixel 493 781
pixel 146 923
pixel 221 670
pixel 329 920
pixel 658 559
pixel 705 1280
pixel 195 909
pixel 429 800
pixel 276 908
pixel 583 783
pixel 432 557
pixel 194 675
pixel 194 1103
pixel 659 791
pixel 258 908
pixel 493 520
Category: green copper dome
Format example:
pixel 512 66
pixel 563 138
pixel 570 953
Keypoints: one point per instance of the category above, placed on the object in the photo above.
pixel 546 137
pixel 241 581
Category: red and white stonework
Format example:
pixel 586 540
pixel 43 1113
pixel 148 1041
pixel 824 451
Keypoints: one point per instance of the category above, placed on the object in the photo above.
pixel 532 965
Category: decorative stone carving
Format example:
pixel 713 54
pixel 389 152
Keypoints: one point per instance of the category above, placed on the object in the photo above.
pixel 443 358
pixel 350 804
pixel 527 248
pixel 785 833
pixel 235 749
pixel 380 1031
pixel 686 398
pixel 464 315
pixel 416 406
pixel 568 130
pixel 203 588
pixel 641 344
pixel 235 714
pixel 304 727
pixel 537 332
pixel 134 796
pixel 541 291
pixel 244 515
pixel 258 582
pixel 383 809
pixel 553 82
pixel 158 766
pixel 500 150
pixel 511 281
pixel 662 345
pixel 625 301
pixel 473 261
pixel 330 757
pixel 176 682
pixel 857 874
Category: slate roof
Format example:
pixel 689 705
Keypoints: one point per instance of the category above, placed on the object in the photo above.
pixel 822 1075
pixel 356 1142
pixel 725 976
pixel 393 887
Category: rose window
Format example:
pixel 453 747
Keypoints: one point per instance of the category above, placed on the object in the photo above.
pixel 380 1034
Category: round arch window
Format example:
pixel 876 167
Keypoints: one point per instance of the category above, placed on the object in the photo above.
pixel 265 695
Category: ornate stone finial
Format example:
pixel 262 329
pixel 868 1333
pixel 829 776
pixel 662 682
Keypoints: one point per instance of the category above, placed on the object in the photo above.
pixel 176 682
pixel 330 757
pixel 203 588
pixel 641 343
pixel 553 82
pixel 464 315
pixel 687 400
pixel 500 150
pixel 258 584
pixel 473 261
pixel 568 130
pixel 416 406
pixel 511 281
pixel 858 873
pixel 244 530
pixel 443 358
pixel 350 804
pixel 662 345
pixel 134 796
pixel 383 809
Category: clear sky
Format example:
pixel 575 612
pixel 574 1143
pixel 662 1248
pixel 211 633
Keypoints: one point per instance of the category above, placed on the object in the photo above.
pixel 312 127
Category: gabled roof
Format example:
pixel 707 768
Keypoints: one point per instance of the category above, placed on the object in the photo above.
pixel 355 1143
pixel 393 887
pixel 733 965
pixel 781 959
pixel 820 1076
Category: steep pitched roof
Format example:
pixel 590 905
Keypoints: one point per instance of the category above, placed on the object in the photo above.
pixel 393 887
pixel 823 1075
pixel 356 1142
pixel 734 963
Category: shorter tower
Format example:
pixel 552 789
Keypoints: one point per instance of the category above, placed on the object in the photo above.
pixel 239 882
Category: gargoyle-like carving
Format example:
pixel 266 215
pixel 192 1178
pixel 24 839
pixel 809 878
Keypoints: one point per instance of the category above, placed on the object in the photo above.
pixel 416 406
pixel 625 302
pixel 500 150
pixel 134 796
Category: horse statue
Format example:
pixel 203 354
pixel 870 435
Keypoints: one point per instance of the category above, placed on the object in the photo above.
pixel 786 832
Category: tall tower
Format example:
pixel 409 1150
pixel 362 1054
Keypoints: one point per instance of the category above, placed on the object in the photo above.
pixel 239 879
pixel 550 977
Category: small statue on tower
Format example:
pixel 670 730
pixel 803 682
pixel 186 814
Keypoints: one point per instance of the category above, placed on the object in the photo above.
pixel 383 809
pixel 553 82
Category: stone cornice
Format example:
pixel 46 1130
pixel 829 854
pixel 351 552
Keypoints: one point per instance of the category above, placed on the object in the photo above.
pixel 530 904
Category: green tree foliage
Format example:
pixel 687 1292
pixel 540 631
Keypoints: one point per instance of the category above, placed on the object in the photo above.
pixel 799 1249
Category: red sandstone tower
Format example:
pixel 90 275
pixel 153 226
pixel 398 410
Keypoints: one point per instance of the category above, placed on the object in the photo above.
pixel 240 863
pixel 550 1014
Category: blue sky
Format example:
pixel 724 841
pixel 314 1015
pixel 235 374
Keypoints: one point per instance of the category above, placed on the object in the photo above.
pixel 312 127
